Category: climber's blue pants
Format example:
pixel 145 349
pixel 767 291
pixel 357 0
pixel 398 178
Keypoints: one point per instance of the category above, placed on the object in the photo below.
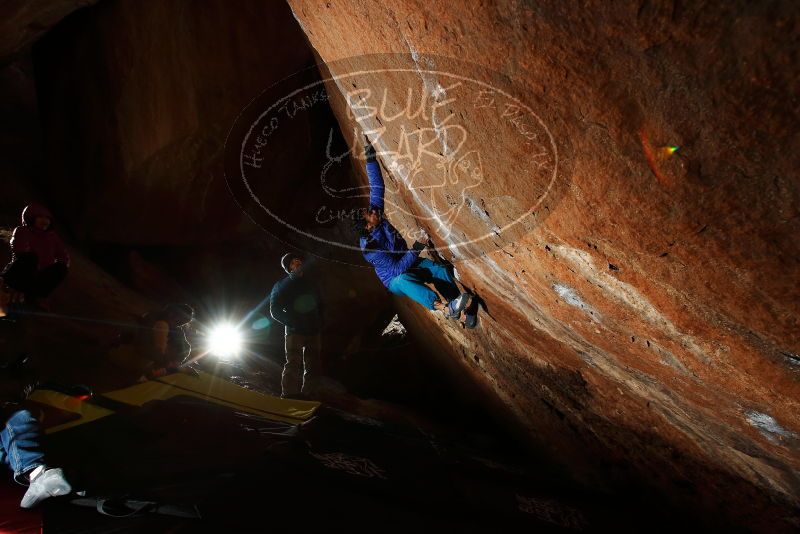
pixel 412 283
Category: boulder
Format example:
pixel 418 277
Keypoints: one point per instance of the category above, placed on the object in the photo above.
pixel 633 226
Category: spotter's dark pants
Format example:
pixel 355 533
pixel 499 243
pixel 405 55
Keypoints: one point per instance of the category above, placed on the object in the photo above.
pixel 302 363
pixel 23 275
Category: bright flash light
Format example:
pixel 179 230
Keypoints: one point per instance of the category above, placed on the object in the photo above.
pixel 225 340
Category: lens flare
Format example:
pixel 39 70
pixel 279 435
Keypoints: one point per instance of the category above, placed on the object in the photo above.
pixel 656 156
pixel 261 323
pixel 225 340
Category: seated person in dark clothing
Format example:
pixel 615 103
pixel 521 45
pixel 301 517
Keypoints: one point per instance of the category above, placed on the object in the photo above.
pixel 158 345
pixel 40 260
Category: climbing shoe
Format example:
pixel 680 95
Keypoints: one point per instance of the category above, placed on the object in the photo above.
pixel 470 319
pixel 45 483
pixel 471 313
pixel 457 305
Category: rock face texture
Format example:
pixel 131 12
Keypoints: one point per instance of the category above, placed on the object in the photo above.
pixel 632 226
pixel 22 22
pixel 137 100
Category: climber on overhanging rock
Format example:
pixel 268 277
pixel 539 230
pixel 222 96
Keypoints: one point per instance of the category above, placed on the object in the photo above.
pixel 295 302
pixel 401 269
pixel 39 263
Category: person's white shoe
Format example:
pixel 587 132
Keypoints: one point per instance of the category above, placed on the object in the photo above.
pixel 43 485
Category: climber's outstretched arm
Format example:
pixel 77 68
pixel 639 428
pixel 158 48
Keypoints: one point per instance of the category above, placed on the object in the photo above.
pixel 376 186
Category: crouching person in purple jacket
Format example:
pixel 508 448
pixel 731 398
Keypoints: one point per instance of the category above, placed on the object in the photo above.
pixel 40 260
pixel 401 269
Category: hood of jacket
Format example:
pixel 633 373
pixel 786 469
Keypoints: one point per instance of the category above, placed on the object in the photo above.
pixel 32 211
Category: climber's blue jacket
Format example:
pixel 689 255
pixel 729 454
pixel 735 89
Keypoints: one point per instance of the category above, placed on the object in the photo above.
pixel 384 247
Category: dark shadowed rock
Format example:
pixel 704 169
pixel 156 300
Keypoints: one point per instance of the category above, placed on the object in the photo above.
pixel 22 22
pixel 137 99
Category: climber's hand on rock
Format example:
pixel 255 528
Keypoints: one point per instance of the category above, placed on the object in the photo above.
pixel 369 150
pixel 424 238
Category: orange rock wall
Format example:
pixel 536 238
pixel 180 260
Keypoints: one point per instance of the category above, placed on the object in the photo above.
pixel 643 315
